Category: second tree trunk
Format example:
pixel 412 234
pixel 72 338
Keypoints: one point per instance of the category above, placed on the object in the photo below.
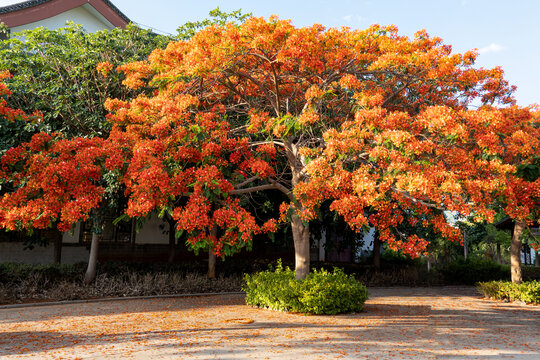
pixel 515 253
pixel 92 260
pixel 301 247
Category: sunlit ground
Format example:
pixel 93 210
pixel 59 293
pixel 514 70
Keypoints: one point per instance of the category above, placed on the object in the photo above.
pixel 421 323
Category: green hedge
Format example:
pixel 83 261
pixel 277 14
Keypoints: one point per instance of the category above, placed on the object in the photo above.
pixel 471 271
pixel 14 273
pixel 530 272
pixel 322 292
pixel 528 292
pixel 52 273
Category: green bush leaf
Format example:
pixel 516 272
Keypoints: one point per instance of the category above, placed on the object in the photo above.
pixel 321 293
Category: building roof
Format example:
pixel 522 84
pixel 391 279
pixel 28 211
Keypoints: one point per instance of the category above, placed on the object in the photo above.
pixel 505 224
pixel 508 224
pixel 19 13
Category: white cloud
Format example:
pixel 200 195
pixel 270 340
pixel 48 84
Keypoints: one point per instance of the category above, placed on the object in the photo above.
pixel 357 19
pixel 491 48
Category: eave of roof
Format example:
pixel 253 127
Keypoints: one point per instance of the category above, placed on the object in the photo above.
pixel 32 3
pixel 21 6
pixel 505 224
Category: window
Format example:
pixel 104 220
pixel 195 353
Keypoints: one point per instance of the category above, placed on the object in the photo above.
pixel 4 34
pixel 120 233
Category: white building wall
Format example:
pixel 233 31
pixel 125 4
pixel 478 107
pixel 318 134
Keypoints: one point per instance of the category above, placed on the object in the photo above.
pixel 367 247
pixel 13 252
pixel 72 236
pixel 90 19
pixel 154 231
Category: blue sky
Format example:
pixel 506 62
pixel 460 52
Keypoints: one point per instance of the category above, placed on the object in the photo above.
pixel 507 33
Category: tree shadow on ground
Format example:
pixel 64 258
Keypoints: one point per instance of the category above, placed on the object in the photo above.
pixel 99 308
pixel 415 325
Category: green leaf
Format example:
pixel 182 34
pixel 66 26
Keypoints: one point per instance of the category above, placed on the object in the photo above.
pixel 123 217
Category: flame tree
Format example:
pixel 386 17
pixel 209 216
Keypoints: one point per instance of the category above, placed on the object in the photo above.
pixel 375 121
pixel 52 181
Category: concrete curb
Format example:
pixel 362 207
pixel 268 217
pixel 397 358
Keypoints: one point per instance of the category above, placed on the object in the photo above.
pixel 84 301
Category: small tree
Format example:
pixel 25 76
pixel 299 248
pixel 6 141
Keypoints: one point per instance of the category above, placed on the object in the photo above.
pixel 56 182
pixel 55 72
pixel 183 163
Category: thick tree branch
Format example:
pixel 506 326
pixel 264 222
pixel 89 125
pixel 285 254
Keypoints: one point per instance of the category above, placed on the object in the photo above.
pixel 247 181
pixel 238 129
pixel 253 189
pixel 282 188
pixel 276 85
pixel 406 195
pixel 273 185
pixel 394 94
pixel 275 142
pixel 259 85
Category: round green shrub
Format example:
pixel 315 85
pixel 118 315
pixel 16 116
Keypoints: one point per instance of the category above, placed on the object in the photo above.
pixel 322 292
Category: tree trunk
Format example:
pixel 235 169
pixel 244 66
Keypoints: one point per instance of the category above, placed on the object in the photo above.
pixel 376 251
pixel 465 250
pixel 92 260
pixel 499 256
pixel 322 243
pixel 57 247
pixel 211 265
pixel 515 253
pixel 301 247
pixel 212 256
pixel 300 231
pixel 133 234
pixel 172 240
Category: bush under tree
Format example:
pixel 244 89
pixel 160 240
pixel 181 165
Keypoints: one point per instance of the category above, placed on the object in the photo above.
pixel 322 292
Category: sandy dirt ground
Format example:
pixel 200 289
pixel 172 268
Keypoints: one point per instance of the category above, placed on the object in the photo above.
pixel 398 323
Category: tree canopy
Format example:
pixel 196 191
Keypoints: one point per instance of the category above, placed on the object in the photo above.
pixel 379 124
pixel 375 121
